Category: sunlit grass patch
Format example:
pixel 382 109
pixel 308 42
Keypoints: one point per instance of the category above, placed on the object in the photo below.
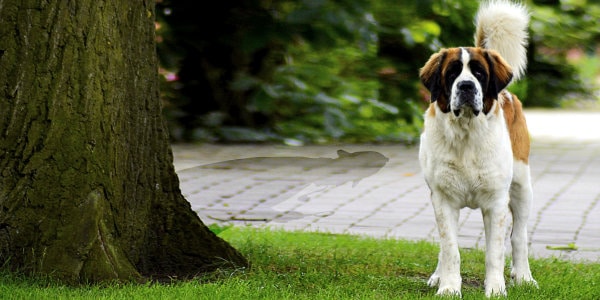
pixel 300 265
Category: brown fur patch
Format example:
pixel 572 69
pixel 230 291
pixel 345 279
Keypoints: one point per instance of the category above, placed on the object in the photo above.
pixel 497 110
pixel 499 74
pixel 517 127
pixel 500 68
pixel 432 76
pixel 431 110
pixel 431 67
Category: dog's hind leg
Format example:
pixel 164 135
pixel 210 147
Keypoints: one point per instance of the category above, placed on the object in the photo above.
pixel 521 198
pixel 447 272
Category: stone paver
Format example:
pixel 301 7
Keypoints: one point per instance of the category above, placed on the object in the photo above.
pixel 379 190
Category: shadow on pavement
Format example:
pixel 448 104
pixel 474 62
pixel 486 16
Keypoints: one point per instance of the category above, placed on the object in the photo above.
pixel 248 189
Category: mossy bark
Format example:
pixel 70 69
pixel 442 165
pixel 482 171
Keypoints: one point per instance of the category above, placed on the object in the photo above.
pixel 88 191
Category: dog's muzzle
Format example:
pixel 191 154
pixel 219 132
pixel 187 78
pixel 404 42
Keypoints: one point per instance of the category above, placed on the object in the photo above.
pixel 467 95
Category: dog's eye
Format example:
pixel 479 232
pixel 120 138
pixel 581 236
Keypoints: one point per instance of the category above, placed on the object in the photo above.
pixel 453 72
pixel 452 76
pixel 478 72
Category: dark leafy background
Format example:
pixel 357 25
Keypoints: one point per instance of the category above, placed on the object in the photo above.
pixel 319 71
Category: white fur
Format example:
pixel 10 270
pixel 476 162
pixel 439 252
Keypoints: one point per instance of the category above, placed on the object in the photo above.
pixel 467 162
pixel 504 27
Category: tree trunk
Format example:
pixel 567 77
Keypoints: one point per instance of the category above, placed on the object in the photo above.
pixel 88 191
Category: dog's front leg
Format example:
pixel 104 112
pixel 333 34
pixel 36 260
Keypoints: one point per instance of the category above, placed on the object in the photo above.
pixel 447 273
pixel 494 219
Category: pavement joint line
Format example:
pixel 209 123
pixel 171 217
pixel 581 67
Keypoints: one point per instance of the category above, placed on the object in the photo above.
pixel 364 193
pixel 584 218
pixel 582 168
pixel 414 215
pixel 352 199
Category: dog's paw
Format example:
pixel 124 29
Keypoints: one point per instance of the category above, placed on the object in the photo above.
pixel 448 286
pixel 448 290
pixel 523 278
pixel 495 290
pixel 434 280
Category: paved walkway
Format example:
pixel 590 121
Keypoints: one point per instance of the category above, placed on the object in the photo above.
pixel 378 190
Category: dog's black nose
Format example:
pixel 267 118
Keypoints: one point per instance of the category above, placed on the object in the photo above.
pixel 466 86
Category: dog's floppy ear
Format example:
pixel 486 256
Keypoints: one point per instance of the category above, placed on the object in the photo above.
pixel 431 74
pixel 500 73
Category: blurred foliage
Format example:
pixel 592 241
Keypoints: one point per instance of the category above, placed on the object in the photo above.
pixel 407 35
pixel 316 71
pixel 559 28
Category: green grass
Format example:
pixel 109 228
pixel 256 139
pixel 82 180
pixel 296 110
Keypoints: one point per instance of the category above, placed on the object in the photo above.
pixel 296 265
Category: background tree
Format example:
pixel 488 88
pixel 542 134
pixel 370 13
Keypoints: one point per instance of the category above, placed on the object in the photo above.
pixel 87 189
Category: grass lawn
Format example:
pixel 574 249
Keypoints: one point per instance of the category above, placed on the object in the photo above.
pixel 293 265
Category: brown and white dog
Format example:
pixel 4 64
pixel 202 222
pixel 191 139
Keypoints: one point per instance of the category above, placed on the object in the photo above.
pixel 475 146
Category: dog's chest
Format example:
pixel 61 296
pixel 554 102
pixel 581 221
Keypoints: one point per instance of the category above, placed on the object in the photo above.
pixel 470 165
pixel 468 180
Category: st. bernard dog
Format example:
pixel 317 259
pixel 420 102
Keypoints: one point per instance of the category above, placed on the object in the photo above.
pixel 475 146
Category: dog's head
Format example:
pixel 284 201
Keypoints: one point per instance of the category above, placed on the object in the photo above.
pixel 465 80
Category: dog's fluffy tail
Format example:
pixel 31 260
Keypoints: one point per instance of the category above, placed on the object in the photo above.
pixel 502 26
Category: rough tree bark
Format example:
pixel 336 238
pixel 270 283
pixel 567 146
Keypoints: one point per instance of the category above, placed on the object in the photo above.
pixel 87 188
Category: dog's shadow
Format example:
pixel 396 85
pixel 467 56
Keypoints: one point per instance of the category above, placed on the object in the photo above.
pixel 248 189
